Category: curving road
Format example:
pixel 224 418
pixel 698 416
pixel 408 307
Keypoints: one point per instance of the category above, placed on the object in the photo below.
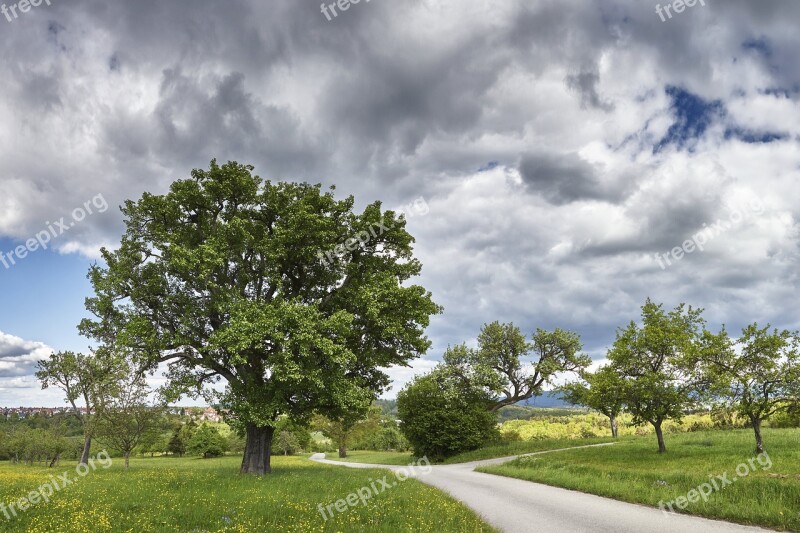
pixel 514 505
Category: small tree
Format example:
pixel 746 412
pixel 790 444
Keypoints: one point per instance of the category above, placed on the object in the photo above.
pixel 154 440
pixel 179 441
pixel 127 416
pixel 442 415
pixel 87 378
pixel 300 431
pixel 509 368
pixel 287 443
pixel 602 391
pixel 208 442
pixel 387 438
pixel 348 428
pixel 759 378
pixel 657 361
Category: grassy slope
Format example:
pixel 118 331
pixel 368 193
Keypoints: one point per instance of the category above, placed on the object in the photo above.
pixel 490 452
pixel 632 471
pixel 519 448
pixel 375 458
pixel 169 495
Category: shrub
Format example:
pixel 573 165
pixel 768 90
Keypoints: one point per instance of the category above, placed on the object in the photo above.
pixel 443 416
pixel 387 438
pixel 785 419
pixel 207 442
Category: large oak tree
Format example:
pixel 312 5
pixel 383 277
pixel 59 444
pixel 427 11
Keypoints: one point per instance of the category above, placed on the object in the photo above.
pixel 282 291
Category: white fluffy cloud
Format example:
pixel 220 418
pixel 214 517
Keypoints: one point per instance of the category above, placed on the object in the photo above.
pixel 18 357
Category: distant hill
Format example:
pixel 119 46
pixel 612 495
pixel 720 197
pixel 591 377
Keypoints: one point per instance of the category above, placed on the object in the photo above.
pixel 548 399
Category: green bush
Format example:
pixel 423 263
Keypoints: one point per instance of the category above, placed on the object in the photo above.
pixel 387 438
pixel 441 416
pixel 207 442
pixel 785 419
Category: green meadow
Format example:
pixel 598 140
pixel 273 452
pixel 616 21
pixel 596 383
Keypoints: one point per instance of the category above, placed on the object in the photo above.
pixel 208 495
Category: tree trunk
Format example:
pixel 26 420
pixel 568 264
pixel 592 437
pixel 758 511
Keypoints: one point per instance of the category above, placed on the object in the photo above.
pixel 257 450
pixel 662 448
pixel 127 460
pixel 757 430
pixel 614 429
pixel 342 452
pixel 87 446
pixel 54 462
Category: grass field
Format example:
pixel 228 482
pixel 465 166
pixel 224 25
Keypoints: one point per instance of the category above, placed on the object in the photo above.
pixel 522 447
pixel 490 452
pixel 632 471
pixel 375 458
pixel 196 495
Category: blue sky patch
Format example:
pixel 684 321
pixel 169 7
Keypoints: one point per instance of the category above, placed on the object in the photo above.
pixel 693 116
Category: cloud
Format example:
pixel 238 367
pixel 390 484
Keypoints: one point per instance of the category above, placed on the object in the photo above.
pixel 559 146
pixel 18 357
pixel 18 383
pixel 560 178
pixel 401 375
pixel 585 83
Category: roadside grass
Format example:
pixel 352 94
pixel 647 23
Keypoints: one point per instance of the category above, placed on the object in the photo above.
pixel 196 495
pixel 522 447
pixel 632 471
pixel 375 458
pixel 489 452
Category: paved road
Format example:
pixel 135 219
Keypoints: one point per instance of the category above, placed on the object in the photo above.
pixel 513 505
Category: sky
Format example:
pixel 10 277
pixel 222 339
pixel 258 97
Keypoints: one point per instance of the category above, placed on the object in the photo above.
pixel 575 158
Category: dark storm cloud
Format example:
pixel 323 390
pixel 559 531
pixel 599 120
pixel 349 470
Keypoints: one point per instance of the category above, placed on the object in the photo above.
pixel 560 179
pixel 585 83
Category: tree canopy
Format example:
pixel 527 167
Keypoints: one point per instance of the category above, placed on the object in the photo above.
pixel 602 391
pixel 759 378
pixel 658 361
pixel 85 379
pixel 510 368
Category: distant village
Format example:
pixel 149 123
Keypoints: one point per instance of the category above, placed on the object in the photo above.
pixel 201 414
